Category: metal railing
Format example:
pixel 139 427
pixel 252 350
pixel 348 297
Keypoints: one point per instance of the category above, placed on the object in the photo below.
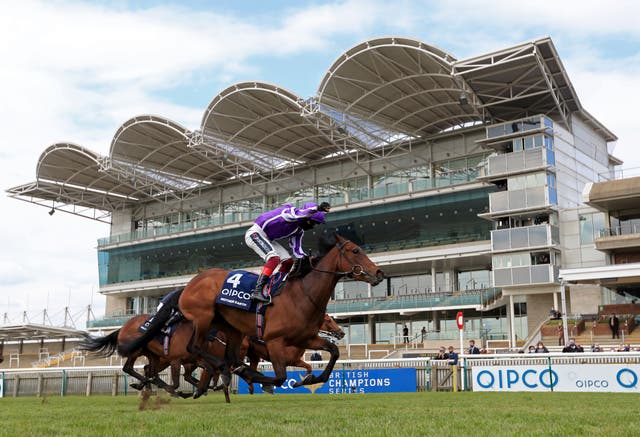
pixel 620 173
pixel 629 229
pixel 430 374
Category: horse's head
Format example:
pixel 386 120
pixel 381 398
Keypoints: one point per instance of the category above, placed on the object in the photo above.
pixel 331 327
pixel 353 262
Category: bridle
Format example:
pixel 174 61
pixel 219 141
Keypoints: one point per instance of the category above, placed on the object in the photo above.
pixel 356 269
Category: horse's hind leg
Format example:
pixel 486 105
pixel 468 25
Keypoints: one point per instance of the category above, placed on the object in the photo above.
pixel 128 369
pixel 208 362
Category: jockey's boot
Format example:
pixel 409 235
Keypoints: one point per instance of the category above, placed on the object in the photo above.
pixel 256 294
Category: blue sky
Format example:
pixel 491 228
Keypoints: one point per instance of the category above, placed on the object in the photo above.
pixel 75 71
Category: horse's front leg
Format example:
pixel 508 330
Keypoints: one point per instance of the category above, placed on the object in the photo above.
pixel 320 343
pixel 280 356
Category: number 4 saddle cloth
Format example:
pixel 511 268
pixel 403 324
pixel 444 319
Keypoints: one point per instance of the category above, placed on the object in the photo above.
pixel 237 286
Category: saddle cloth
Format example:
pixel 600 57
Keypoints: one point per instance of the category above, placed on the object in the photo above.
pixel 237 286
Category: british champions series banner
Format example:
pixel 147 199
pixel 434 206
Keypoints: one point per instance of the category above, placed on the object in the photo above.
pixel 623 378
pixel 347 381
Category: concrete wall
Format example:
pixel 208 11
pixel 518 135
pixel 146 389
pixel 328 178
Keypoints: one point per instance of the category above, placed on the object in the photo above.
pixel 538 308
pixel 585 299
pixel 115 304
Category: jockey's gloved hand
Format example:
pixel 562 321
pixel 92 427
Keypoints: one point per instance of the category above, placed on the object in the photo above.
pixel 325 207
pixel 296 265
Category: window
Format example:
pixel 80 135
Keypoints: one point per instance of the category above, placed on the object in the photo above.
pixel 591 226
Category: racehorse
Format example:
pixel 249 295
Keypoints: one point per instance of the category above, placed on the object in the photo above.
pixel 175 356
pixel 292 321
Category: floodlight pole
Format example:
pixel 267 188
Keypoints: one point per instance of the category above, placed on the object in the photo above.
pixel 563 298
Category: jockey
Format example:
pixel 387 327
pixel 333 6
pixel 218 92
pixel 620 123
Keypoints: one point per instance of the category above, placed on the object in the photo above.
pixel 284 222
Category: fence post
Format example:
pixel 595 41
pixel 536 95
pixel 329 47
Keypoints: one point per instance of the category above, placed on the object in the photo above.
pixel 427 370
pixel 89 382
pixel 465 379
pixel 63 389
pixel 550 375
pixel 2 386
pixel 454 376
pixel 114 385
pixel 40 383
pixel 16 385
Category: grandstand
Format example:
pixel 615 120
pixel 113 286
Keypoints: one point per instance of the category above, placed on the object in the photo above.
pixel 462 179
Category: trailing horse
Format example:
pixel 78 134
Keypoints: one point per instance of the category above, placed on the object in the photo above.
pixel 159 356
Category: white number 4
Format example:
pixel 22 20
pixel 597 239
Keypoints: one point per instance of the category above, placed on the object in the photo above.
pixel 235 279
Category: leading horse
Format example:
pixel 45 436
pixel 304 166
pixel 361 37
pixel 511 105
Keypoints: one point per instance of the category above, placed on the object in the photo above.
pixel 292 321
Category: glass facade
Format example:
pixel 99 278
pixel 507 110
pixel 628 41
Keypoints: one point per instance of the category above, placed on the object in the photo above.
pixel 591 226
pixel 523 125
pixel 427 221
pixel 443 173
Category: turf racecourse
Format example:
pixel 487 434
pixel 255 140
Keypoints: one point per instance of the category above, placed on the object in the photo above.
pixel 399 414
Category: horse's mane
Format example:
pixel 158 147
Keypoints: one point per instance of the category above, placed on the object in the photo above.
pixel 326 242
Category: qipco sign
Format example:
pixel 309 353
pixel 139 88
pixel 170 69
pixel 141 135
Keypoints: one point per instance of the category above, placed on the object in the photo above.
pixel 560 377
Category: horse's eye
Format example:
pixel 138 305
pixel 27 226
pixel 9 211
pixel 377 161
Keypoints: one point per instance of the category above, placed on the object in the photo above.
pixel 356 251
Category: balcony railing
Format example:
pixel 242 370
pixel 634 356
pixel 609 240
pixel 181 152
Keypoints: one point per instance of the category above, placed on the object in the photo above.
pixel 431 300
pixel 527 198
pixel 629 229
pixel 516 162
pixel 525 237
pixel 441 179
pixel 447 299
pixel 526 275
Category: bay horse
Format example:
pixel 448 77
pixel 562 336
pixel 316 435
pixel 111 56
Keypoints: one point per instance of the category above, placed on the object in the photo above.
pixel 292 321
pixel 154 351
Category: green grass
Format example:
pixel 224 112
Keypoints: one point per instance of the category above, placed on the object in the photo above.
pixel 398 414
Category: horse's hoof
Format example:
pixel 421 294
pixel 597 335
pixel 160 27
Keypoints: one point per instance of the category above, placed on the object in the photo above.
pixel 267 388
pixel 196 395
pixel 138 386
pixel 184 395
pixel 309 379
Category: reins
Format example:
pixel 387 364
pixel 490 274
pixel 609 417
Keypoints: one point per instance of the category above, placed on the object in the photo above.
pixel 356 270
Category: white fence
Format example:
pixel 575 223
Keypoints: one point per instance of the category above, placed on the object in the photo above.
pixel 430 374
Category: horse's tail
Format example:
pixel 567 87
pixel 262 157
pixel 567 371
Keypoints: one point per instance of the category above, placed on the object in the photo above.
pixel 100 346
pixel 157 323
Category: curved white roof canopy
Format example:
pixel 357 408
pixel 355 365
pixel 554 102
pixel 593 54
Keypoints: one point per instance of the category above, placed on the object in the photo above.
pixel 267 123
pixel 400 84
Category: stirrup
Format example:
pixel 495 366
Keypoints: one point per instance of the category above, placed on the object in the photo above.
pixel 257 295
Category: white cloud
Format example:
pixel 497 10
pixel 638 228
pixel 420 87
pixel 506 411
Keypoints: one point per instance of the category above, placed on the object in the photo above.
pixel 75 71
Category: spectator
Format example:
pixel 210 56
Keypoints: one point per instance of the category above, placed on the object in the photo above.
pixel 541 348
pixel 532 349
pixel 596 348
pixel 473 349
pixel 554 314
pixel 405 334
pixel 560 331
pixel 614 325
pixel 483 351
pixel 572 347
pixel 442 355
pixel 423 334
pixel 315 356
pixel 453 356
pixel 625 348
